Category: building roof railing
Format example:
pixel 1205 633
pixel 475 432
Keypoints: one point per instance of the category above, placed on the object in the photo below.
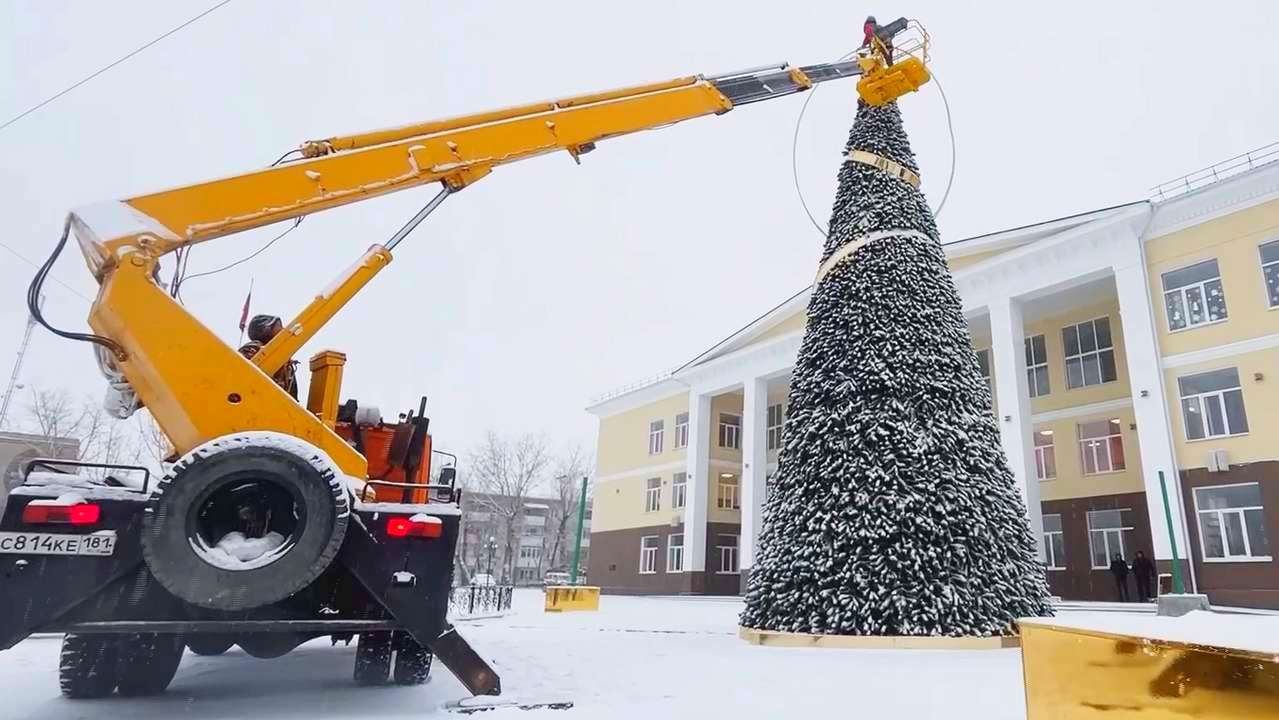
pixel 632 387
pixel 1215 173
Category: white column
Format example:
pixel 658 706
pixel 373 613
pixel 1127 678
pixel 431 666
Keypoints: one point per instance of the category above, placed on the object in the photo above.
pixel 1150 408
pixel 1008 338
pixel 697 495
pixel 754 466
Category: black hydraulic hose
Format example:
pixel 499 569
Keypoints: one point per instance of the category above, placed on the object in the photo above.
pixel 33 302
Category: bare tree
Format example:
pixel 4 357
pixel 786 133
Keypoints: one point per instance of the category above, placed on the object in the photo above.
pixel 505 471
pixel 55 418
pixel 570 467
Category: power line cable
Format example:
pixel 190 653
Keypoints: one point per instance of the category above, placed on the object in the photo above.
pixel 244 259
pixel 36 265
pixel 48 100
pixel 184 254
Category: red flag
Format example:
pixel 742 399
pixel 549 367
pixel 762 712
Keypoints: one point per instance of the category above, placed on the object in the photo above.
pixel 244 314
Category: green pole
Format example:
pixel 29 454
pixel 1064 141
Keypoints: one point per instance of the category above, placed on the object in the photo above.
pixel 577 544
pixel 1177 585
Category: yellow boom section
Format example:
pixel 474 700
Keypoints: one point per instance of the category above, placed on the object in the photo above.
pixel 197 387
pixel 456 152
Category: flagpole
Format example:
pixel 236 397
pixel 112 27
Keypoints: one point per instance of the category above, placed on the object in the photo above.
pixel 244 314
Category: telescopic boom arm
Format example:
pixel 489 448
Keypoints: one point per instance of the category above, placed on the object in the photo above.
pixel 198 388
pixel 456 152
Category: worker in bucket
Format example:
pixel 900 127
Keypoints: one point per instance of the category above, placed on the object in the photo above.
pixel 261 329
pixel 870 30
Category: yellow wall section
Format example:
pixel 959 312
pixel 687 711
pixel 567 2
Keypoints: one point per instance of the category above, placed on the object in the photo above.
pixel 792 324
pixel 1051 328
pixel 1059 397
pixel 1071 481
pixel 618 503
pixel 625 465
pixel 1233 241
pixel 958 263
pixel 623 438
pixel 1260 400
pixel 731 404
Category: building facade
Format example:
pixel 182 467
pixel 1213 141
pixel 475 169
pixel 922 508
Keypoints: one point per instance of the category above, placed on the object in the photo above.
pixel 1132 353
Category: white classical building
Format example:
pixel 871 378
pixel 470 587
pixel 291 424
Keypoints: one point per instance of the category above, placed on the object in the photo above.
pixel 1087 308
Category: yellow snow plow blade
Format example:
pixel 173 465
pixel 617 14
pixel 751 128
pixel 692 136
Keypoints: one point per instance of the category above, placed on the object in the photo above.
pixel 885 85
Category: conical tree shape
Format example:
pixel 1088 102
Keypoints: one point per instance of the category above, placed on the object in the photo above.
pixel 893 511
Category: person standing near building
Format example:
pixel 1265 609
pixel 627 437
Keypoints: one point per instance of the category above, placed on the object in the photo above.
pixel 1119 569
pixel 1143 571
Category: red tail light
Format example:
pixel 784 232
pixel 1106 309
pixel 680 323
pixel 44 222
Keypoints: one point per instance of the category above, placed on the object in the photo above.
pixel 423 526
pixel 50 512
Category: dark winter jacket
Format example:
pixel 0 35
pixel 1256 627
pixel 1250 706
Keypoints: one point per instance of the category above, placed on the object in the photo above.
pixel 1119 569
pixel 1143 568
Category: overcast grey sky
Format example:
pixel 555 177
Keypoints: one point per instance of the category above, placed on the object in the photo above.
pixel 547 283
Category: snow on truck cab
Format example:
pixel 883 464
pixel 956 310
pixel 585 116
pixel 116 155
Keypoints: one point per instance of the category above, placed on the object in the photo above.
pixel 279 520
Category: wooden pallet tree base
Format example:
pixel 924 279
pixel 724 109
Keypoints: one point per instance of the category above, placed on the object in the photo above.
pixel 875 642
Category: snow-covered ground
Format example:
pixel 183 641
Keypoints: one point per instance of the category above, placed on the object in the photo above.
pixel 635 658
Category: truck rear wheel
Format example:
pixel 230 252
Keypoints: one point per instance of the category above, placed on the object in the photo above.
pixel 148 663
pixel 373 658
pixel 87 666
pixel 245 521
pixel 412 661
pixel 209 645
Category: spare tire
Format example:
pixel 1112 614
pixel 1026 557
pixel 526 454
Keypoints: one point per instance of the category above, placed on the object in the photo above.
pixel 245 521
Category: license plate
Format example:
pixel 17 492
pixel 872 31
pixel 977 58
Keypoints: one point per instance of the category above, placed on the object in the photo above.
pixel 54 544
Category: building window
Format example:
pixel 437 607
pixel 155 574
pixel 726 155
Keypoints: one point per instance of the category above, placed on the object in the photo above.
pixel 653 495
pixel 1231 522
pixel 679 490
pixel 726 492
pixel 681 431
pixel 648 554
pixel 983 365
pixel 1106 529
pixel 776 417
pixel 730 431
pixel 1045 455
pixel 1270 271
pixel 656 429
pixel 1054 543
pixel 1102 446
pixel 530 552
pixel 1037 366
pixel 675 553
pixel 1090 353
pixel 1212 404
pixel 1194 296
pixel 727 546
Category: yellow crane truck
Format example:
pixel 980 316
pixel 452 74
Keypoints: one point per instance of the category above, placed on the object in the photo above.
pixel 280 521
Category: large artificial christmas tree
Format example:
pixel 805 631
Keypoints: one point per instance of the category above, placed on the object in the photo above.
pixel 893 511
